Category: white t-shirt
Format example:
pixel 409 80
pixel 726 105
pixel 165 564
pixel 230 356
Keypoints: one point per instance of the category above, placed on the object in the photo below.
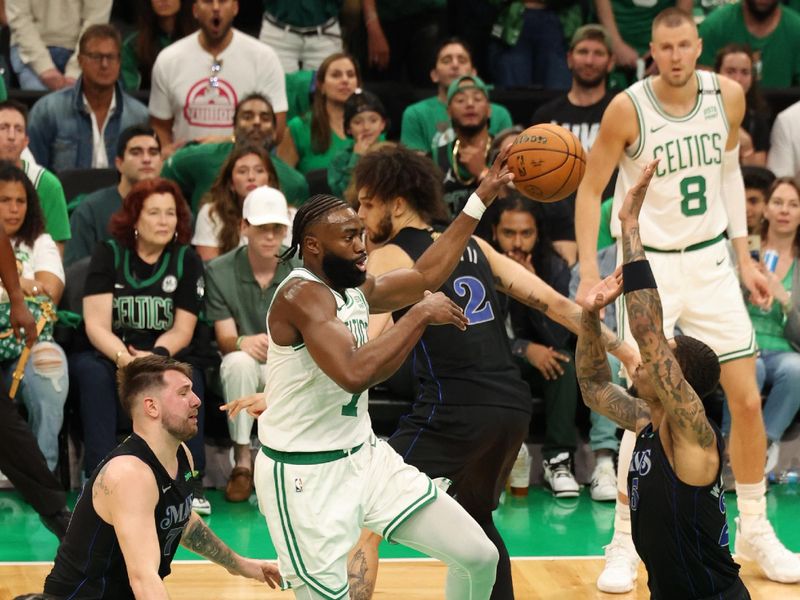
pixel 44 256
pixel 182 90
pixel 207 228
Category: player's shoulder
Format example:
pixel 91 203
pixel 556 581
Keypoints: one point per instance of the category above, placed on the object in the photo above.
pixel 304 295
pixel 124 472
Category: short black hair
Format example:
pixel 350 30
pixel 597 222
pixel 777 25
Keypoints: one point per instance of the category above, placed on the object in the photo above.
pixel 248 98
pixel 699 364
pixel 758 178
pixel 393 171
pixel 135 131
pixel 11 104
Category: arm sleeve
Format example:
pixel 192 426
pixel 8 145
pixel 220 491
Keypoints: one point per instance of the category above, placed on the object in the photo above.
pixel 216 307
pixel 191 287
pixel 781 159
pixel 733 194
pixel 33 51
pixel 93 12
pixel 46 257
pixel 102 274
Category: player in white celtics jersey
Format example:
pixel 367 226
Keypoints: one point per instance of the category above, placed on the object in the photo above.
pixel 322 474
pixel 690 121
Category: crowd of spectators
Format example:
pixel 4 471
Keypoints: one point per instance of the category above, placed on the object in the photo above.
pixel 220 124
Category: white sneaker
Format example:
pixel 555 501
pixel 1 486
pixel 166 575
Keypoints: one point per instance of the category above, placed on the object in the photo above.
pixel 773 454
pixel 760 544
pixel 622 565
pixel 559 478
pixel 201 506
pixel 604 481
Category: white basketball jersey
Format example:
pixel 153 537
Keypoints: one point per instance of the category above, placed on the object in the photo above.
pixel 684 204
pixel 306 410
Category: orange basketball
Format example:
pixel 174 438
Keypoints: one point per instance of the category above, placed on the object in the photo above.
pixel 547 161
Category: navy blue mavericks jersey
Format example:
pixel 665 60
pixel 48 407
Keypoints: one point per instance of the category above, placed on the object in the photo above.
pixel 475 366
pixel 89 563
pixel 680 531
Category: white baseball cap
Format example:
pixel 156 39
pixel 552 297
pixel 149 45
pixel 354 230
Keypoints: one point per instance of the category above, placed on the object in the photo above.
pixel 266 205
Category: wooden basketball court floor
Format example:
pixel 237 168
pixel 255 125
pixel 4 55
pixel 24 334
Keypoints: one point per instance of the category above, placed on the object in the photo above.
pixel 556 549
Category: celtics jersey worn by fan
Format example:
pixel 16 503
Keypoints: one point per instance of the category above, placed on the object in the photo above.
pixel 680 530
pixel 307 411
pixel 89 563
pixel 684 204
pixel 465 367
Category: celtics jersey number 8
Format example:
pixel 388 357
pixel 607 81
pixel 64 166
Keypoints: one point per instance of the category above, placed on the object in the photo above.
pixel 684 201
pixel 307 411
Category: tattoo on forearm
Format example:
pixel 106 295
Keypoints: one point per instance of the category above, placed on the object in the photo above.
pixel 200 539
pixel 360 587
pixel 632 248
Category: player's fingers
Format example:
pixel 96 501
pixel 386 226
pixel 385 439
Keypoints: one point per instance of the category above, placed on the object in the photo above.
pixel 561 357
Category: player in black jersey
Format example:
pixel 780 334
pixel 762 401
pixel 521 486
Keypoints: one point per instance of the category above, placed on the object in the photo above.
pixel 124 534
pixel 472 411
pixel 677 504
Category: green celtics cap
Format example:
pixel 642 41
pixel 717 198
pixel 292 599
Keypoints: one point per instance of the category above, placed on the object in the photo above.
pixel 466 82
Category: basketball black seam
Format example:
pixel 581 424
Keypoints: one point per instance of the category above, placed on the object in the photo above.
pixel 566 154
pixel 566 179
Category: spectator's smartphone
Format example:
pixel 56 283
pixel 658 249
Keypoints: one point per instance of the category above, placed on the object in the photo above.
pixel 754 246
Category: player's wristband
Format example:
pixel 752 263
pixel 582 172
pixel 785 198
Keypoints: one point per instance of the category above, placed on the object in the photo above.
pixel 637 276
pixel 474 207
pixel 239 342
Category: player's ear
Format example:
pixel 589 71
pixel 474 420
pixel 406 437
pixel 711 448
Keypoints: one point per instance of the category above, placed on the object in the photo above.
pixel 311 246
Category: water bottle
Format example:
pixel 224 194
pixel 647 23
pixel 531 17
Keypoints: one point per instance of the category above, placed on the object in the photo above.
pixel 520 478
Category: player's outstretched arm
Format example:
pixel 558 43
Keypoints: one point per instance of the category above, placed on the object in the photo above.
pixel 514 280
pixel 399 288
pixel 125 495
pixel 683 407
pixel 305 312
pixel 198 537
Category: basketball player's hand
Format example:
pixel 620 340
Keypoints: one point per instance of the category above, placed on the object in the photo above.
pixel 254 404
pixel 634 199
pixel 440 310
pixel 546 360
pixel 497 177
pixel 260 570
pixel 756 283
pixel 256 346
pixel 22 319
pixel 603 293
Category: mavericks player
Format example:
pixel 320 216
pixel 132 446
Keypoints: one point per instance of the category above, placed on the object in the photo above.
pixel 689 120
pixel 674 482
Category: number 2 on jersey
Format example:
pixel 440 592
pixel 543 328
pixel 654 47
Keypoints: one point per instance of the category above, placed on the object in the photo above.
pixel 478 309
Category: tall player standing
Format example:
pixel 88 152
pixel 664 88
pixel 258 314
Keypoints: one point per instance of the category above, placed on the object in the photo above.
pixel 690 120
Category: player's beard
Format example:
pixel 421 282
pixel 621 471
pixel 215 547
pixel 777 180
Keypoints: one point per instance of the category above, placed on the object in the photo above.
pixel 384 231
pixel 342 272
pixel 761 14
pixel 181 429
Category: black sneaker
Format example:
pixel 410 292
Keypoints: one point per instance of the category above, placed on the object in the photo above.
pixel 57 523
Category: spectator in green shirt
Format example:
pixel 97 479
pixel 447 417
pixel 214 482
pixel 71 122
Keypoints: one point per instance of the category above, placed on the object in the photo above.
pixel 314 138
pixel 426 124
pixel 160 22
pixel 771 30
pixel 195 166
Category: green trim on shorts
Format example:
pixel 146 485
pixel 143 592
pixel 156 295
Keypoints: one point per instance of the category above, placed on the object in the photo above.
pixel 429 496
pixel 292 545
pixel 308 458
pixel 697 246
pixel 749 350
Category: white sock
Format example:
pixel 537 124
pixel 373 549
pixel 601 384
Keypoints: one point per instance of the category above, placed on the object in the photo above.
pixel 751 500
pixel 622 519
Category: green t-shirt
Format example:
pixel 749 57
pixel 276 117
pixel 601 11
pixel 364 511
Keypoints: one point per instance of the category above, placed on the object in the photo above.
pixel 634 21
pixel 769 325
pixel 300 130
pixel 233 292
pixel 341 170
pixel 89 221
pixel 3 90
pixel 195 167
pixel 604 237
pixel 779 51
pixel 302 13
pixel 51 199
pixel 426 124
pixel 130 71
pixel 298 92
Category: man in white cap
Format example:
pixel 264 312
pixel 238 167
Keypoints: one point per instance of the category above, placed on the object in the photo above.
pixel 239 289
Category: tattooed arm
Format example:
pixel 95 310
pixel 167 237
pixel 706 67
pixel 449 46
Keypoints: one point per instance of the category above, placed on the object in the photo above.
pixel 513 279
pixel 683 408
pixel 199 538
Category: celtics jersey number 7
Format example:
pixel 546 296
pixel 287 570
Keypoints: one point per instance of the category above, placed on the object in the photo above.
pixel 684 204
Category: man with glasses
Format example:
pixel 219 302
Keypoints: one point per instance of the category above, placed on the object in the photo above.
pixel 78 127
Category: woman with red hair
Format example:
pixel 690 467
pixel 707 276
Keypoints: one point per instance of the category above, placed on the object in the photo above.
pixel 143 293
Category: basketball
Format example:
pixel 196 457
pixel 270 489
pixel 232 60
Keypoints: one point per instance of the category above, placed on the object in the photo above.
pixel 547 161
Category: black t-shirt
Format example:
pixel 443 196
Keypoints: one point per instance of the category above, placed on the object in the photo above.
pixel 146 296
pixel 680 530
pixel 757 125
pixel 472 367
pixel 584 122
pixel 89 562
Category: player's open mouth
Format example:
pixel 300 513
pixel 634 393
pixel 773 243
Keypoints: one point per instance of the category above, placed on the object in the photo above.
pixel 361 264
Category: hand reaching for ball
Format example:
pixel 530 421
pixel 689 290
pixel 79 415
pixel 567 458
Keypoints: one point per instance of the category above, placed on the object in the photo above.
pixel 496 178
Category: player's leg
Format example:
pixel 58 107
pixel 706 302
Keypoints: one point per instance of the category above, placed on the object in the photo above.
pixel 362 566
pixel 444 530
